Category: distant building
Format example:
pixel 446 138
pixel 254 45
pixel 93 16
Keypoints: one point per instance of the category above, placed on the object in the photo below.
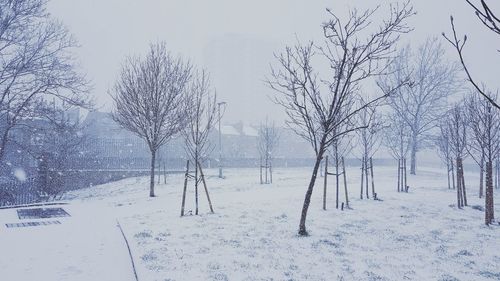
pixel 118 148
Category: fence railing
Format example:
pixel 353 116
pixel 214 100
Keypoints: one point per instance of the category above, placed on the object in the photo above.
pixel 15 192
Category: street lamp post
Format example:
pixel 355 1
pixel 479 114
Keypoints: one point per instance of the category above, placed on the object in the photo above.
pixel 220 140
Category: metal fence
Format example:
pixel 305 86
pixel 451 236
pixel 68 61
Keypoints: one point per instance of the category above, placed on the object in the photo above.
pixel 15 192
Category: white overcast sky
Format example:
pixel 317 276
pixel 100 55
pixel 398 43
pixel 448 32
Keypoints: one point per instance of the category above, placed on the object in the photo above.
pixel 235 40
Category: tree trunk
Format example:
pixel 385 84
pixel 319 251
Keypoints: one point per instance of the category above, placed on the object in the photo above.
pixel 186 175
pixel 362 176
pixel 196 181
pixel 345 184
pixel 206 188
pixel 459 184
pixel 336 179
pixel 152 176
pixel 307 199
pixel 481 176
pixel 413 161
pixel 452 173
pixel 404 171
pixel 489 207
pixel 481 179
pixel 267 181
pixel 366 176
pixel 448 170
pixel 325 182
pixel 399 174
pixel 497 182
pixel 373 181
pixel 463 183
pixel 261 182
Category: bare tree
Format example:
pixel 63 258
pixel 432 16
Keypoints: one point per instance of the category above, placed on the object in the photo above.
pixel 267 143
pixel 397 138
pixel 476 145
pixel 201 117
pixel 457 130
pixel 486 16
pixel 369 140
pixel 443 144
pixel 422 105
pixel 339 149
pixel 484 130
pixel 36 64
pixel 490 20
pixel 317 107
pixel 149 98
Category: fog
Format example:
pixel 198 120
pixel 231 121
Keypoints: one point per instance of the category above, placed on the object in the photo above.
pixel 235 40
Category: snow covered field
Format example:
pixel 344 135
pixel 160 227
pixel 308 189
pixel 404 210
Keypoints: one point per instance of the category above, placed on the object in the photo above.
pixel 252 235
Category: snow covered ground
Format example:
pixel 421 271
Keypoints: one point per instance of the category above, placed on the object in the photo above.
pixel 85 246
pixel 252 235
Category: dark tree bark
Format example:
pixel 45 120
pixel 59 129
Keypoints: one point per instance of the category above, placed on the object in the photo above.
pixel 453 174
pixel 307 199
pixel 400 171
pixel 489 206
pixel 206 189
pixel 345 184
pixel 196 182
pixel 362 177
pixel 373 180
pixel 152 175
pixel 186 176
pixel 413 159
pixel 337 179
pixel 459 185
pixel 481 178
pixel 464 190
pixel 325 182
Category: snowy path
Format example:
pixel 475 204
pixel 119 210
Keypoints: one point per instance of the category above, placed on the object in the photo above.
pixel 86 246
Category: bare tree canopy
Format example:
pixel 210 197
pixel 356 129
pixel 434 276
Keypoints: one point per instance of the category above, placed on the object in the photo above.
pixel 457 130
pixel 490 20
pixel 486 15
pixel 483 124
pixel 321 108
pixel 149 98
pixel 201 116
pixel 36 63
pixel 443 144
pixel 267 143
pixel 456 126
pixel 397 136
pixel 369 137
pixel 268 139
pixel 420 106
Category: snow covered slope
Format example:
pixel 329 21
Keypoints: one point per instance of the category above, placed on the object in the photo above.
pixel 252 235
